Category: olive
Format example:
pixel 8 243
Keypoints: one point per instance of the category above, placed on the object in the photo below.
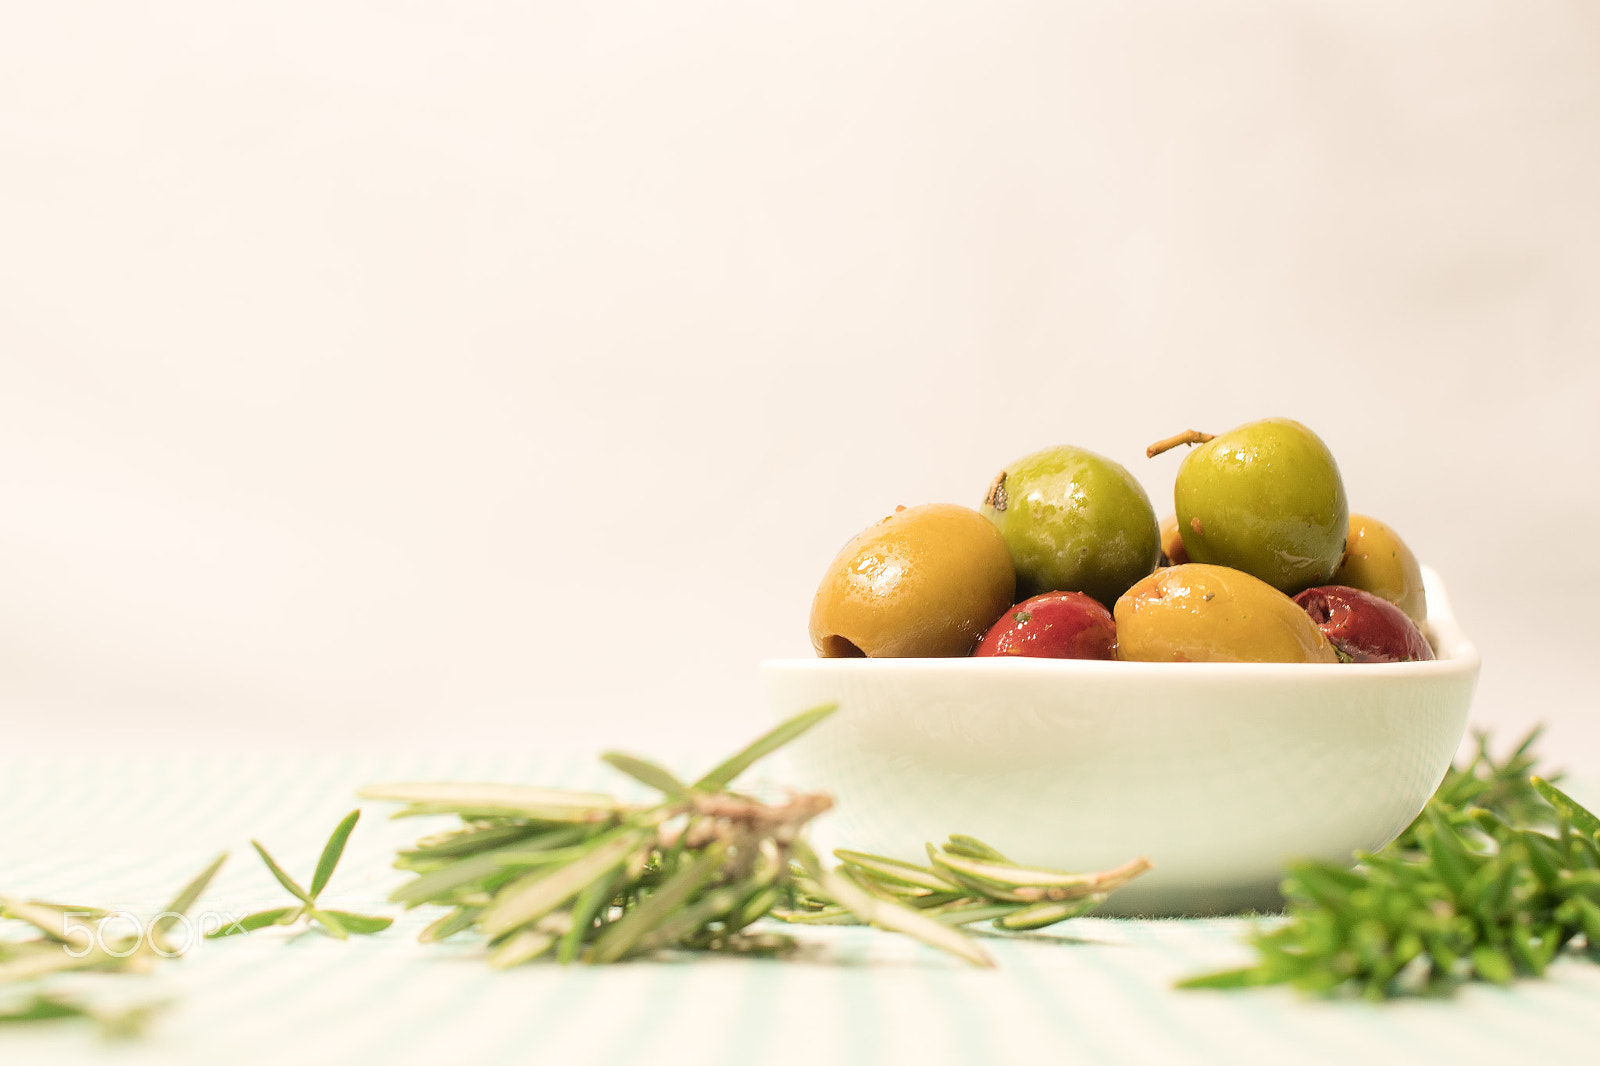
pixel 1376 560
pixel 1075 522
pixel 1265 498
pixel 1364 628
pixel 1054 625
pixel 1172 553
pixel 1203 613
pixel 926 580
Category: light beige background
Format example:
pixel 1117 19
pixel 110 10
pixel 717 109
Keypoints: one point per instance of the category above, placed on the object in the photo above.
pixel 411 374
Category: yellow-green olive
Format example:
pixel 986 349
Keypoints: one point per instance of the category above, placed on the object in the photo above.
pixel 1197 612
pixel 1376 560
pixel 1075 522
pixel 1172 553
pixel 926 581
pixel 1267 499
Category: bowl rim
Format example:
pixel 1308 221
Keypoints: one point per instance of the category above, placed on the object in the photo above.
pixel 1455 656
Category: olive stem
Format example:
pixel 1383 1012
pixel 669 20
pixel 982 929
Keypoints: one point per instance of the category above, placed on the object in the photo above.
pixel 1188 436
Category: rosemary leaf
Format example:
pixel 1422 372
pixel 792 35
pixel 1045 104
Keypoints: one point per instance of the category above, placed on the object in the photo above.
pixel 57 923
pixel 537 894
pixel 41 1008
pixel 465 842
pixel 1004 877
pixel 1582 820
pixel 647 773
pixel 188 894
pixel 658 906
pixel 44 963
pixel 968 911
pixel 453 922
pixel 521 946
pixel 892 871
pixel 831 915
pixel 283 879
pixel 361 924
pixel 508 798
pixel 331 852
pixel 764 745
pixel 516 855
pixel 574 814
pixel 585 910
pixel 1049 913
pixel 972 848
pixel 251 922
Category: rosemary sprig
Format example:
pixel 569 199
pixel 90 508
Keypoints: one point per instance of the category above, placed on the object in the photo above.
pixel 339 924
pixel 581 876
pixel 1498 874
pixel 578 875
pixel 966 881
pixel 73 939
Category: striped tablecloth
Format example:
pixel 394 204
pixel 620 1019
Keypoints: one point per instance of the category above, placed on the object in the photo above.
pixel 128 832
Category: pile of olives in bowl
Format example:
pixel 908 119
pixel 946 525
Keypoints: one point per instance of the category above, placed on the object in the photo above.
pixel 1260 561
pixel 1065 677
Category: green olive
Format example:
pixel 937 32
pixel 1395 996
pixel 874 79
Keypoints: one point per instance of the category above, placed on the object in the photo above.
pixel 1376 560
pixel 1199 613
pixel 926 581
pixel 1265 498
pixel 1075 522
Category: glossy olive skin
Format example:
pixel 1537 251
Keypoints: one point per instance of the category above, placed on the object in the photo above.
pixel 1198 613
pixel 925 581
pixel 1053 625
pixel 1265 498
pixel 1364 628
pixel 1075 522
pixel 1172 553
pixel 1376 560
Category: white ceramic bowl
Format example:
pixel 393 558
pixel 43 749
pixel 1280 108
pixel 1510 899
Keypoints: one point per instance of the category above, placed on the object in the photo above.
pixel 1219 773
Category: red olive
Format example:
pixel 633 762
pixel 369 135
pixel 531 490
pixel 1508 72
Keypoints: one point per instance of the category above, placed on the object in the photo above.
pixel 1054 625
pixel 1364 628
